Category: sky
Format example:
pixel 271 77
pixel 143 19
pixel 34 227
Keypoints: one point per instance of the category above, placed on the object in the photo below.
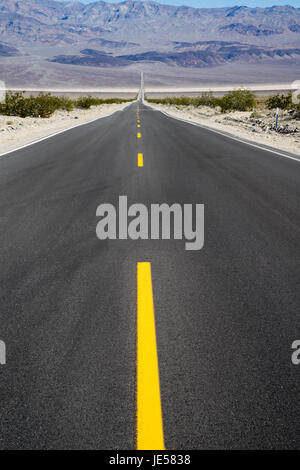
pixel 220 3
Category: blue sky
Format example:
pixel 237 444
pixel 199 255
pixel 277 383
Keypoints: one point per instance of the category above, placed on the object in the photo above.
pixel 220 3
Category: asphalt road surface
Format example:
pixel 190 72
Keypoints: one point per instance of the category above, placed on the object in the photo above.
pixel 225 316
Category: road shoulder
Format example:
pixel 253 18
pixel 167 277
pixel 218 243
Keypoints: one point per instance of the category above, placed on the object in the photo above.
pixel 281 145
pixel 17 132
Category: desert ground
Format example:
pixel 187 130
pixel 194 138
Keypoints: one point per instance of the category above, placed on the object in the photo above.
pixel 32 72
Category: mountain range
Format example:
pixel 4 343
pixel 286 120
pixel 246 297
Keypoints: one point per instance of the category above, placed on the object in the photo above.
pixel 188 57
pixel 8 51
pixel 40 34
pixel 49 22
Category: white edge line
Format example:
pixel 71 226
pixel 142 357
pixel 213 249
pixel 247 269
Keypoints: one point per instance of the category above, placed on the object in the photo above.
pixel 63 130
pixel 230 136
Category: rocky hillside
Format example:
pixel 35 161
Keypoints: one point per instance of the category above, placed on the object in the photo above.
pixel 50 22
pixel 8 51
pixel 190 56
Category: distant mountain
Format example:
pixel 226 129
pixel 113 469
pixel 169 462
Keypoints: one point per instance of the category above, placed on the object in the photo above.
pixel 295 28
pixel 92 58
pixel 192 55
pixel 251 30
pixel 107 35
pixel 51 22
pixel 8 51
pixel 112 44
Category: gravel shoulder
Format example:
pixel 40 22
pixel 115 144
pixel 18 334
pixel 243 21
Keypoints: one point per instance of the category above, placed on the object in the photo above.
pixel 16 131
pixel 258 127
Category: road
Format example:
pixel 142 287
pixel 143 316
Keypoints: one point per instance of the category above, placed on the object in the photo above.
pixel 225 316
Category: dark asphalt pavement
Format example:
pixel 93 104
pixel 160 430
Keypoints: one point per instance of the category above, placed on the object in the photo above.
pixel 226 315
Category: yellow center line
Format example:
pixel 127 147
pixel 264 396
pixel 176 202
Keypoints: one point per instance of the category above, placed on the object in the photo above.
pixel 140 159
pixel 139 125
pixel 139 135
pixel 149 414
